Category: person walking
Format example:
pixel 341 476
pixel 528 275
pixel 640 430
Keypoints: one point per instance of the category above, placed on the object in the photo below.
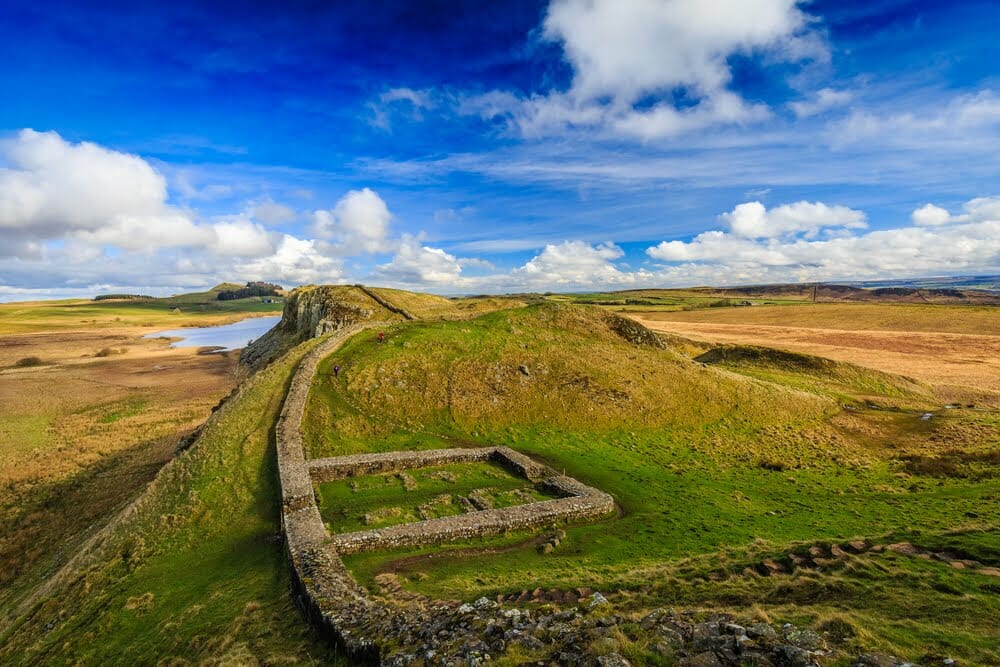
pixel 336 371
pixel 381 337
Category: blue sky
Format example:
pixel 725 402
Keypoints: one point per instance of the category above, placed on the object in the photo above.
pixel 465 147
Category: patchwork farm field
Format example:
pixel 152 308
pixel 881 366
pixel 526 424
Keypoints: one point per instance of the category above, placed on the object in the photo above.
pixel 718 466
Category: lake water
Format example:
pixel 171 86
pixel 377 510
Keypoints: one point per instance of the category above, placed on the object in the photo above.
pixel 228 336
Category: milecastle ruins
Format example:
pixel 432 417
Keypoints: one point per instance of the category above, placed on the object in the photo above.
pixel 333 599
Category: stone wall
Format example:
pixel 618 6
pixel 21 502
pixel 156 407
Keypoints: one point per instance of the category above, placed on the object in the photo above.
pixel 358 465
pixel 327 592
pixel 483 523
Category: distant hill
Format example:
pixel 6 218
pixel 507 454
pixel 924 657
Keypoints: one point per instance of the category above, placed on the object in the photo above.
pixel 832 292
pixel 222 291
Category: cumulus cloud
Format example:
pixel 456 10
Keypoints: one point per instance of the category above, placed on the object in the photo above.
pixel 753 220
pixel 295 261
pixel 50 188
pixel 929 215
pixel 359 222
pixel 628 49
pixel 271 212
pixel 415 263
pixel 574 262
pixel 969 241
pixel 623 53
pixel 980 209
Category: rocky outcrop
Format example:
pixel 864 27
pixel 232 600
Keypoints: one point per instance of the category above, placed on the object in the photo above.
pixel 634 332
pixel 314 311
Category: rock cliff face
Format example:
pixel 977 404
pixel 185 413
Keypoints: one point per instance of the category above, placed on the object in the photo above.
pixel 313 311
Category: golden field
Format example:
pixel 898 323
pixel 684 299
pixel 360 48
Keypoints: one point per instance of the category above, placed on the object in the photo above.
pixel 956 349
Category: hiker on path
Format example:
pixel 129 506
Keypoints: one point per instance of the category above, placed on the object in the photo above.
pixel 381 337
pixel 336 371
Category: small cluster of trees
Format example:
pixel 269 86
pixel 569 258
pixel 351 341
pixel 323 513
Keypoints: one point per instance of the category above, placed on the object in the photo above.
pixel 252 289
pixel 104 297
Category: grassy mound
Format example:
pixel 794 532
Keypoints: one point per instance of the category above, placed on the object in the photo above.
pixel 825 374
pixel 193 571
pixel 546 366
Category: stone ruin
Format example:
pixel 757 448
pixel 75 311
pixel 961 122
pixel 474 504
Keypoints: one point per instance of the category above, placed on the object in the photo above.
pixel 575 501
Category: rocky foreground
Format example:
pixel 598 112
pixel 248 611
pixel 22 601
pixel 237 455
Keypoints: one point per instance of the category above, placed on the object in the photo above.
pixel 593 634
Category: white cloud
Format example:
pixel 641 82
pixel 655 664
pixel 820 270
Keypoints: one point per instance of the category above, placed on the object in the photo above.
pixel 622 53
pixel 966 121
pixel 628 49
pixel 406 101
pixel 574 263
pixel 240 237
pixel 663 120
pixel 753 220
pixel 415 263
pixel 294 262
pixel 980 209
pixel 823 100
pixel 51 187
pixel 359 222
pixel 929 215
pixel 970 241
pixel 418 99
pixel 271 212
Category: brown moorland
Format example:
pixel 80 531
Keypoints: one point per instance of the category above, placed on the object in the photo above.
pixel 956 349
pixel 91 420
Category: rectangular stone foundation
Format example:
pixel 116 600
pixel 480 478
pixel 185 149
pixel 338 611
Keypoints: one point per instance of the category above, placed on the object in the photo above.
pixel 579 501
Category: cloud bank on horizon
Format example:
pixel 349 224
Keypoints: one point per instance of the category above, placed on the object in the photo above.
pixel 568 145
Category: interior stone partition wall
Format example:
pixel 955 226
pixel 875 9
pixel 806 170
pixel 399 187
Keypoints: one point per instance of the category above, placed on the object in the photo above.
pixel 331 598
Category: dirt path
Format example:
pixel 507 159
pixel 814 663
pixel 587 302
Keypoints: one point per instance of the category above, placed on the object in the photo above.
pixel 954 363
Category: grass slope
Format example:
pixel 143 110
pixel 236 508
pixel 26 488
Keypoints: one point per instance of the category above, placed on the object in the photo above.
pixel 193 572
pixel 841 380
pixel 712 468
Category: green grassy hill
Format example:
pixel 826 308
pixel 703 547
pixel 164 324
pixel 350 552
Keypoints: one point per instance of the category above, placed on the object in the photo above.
pixel 714 468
